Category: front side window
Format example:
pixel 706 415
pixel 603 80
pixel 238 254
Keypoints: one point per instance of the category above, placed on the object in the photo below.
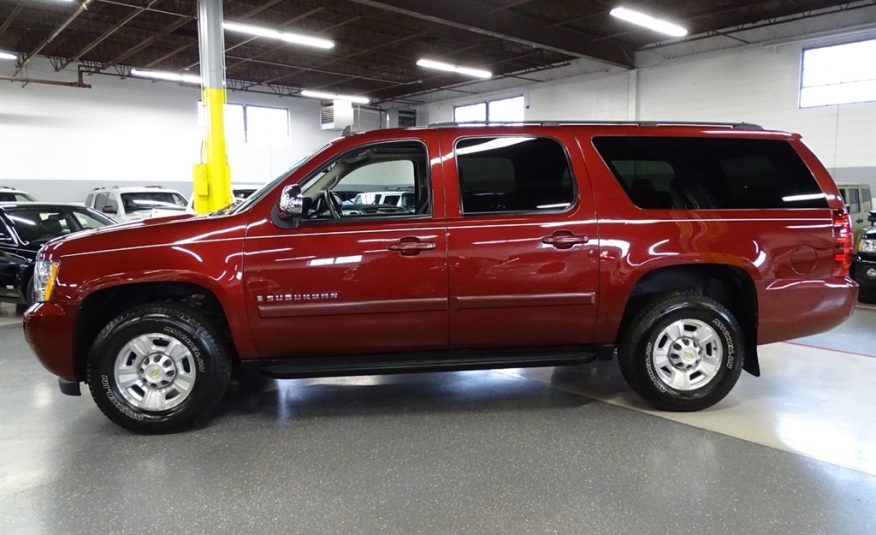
pixel 388 179
pixel 513 174
pixel 41 225
pixel 710 173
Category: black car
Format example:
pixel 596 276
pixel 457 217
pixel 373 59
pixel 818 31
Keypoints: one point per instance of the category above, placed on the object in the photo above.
pixel 864 267
pixel 24 228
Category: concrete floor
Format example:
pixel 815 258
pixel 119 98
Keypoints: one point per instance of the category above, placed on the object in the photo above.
pixel 565 450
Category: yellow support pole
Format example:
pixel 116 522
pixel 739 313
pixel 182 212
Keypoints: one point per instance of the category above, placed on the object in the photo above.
pixel 212 177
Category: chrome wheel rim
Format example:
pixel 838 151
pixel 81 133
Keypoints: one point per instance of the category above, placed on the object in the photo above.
pixel 155 372
pixel 687 355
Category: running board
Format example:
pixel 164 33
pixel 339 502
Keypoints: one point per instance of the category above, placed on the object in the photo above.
pixel 429 362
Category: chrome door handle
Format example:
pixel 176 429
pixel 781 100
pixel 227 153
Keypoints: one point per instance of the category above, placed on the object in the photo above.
pixel 411 246
pixel 564 239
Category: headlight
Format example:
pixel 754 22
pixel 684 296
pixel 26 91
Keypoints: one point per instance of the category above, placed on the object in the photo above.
pixel 867 246
pixel 44 274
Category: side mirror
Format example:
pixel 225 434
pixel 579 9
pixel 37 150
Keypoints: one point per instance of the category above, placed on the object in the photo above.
pixel 872 217
pixel 291 205
pixel 108 209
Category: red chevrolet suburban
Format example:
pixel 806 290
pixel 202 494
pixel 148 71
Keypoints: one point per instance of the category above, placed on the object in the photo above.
pixel 676 247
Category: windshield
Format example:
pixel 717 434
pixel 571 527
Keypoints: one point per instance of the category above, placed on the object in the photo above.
pixel 43 224
pixel 15 196
pixel 149 200
pixel 258 195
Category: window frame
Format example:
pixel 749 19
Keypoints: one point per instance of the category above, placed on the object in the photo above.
pixel 800 86
pixel 388 217
pixel 576 192
pixel 486 104
pixel 8 236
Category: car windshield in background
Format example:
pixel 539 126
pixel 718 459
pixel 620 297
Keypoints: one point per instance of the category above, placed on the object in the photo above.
pixel 39 224
pixel 10 196
pixel 153 200
pixel 243 193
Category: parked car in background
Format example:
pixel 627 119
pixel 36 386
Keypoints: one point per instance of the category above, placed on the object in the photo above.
pixel 24 228
pixel 240 192
pixel 126 204
pixel 859 203
pixel 8 194
pixel 864 266
pixel 385 202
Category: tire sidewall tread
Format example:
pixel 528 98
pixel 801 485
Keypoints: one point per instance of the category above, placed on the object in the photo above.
pixel 189 326
pixel 634 354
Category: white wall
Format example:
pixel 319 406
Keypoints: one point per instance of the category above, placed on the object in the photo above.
pixel 755 84
pixel 127 131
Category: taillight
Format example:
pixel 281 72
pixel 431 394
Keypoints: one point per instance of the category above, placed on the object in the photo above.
pixel 842 237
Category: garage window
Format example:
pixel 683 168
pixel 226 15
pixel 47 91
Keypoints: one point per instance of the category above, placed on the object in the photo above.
pixel 839 74
pixel 502 110
pixel 513 174
pixel 253 124
pixel 709 173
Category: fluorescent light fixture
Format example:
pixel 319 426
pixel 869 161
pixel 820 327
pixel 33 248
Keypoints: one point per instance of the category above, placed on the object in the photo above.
pixel 441 66
pixel 289 37
pixel 334 96
pixel 804 197
pixel 168 76
pixel 493 144
pixel 647 21
pixel 8 55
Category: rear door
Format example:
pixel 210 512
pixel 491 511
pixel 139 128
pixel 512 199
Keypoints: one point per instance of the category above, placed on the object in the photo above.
pixel 522 240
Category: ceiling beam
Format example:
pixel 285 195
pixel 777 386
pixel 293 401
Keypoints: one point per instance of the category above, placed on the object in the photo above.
pixel 15 11
pixel 142 45
pixel 52 36
pixel 107 34
pixel 505 25
pixel 286 22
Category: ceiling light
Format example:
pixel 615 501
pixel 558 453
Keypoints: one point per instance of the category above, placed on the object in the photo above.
pixel 168 76
pixel 647 21
pixel 8 55
pixel 441 66
pixel 334 96
pixel 289 37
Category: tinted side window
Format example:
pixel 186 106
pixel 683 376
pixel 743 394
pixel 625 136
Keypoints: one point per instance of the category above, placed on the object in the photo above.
pixel 854 200
pixel 710 173
pixel 513 174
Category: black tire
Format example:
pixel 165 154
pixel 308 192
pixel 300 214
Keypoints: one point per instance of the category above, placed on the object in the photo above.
pixel 208 352
pixel 636 351
pixel 867 296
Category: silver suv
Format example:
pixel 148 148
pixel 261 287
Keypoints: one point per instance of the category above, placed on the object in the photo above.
pixel 136 203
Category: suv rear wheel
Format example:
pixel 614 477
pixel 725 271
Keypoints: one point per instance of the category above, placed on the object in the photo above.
pixel 682 352
pixel 159 368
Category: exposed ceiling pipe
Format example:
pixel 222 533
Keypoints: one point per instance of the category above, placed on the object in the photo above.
pixel 82 7
pixel 47 82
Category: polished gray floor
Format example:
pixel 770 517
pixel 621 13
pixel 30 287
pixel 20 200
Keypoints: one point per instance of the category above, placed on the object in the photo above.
pixel 467 452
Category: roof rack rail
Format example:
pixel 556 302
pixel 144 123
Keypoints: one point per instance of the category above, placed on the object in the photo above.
pixel 735 126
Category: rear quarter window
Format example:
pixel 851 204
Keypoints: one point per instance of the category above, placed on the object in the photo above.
pixel 710 173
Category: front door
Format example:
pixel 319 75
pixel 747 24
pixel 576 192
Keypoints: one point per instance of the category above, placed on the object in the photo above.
pixel 522 249
pixel 366 269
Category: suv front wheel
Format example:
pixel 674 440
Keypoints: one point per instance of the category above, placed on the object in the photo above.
pixel 682 352
pixel 158 368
